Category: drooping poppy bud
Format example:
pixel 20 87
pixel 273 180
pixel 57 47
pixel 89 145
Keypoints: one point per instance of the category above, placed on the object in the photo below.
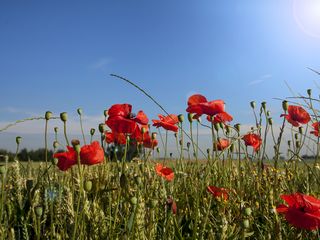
pixel 181 118
pixel 56 129
pixel 92 131
pixel 285 105
pixel 190 117
pixel 48 115
pixel 309 91
pixel 102 127
pixel 39 211
pixel 253 104
pixel 79 111
pixel 64 116
pixel 18 140
pixel 264 105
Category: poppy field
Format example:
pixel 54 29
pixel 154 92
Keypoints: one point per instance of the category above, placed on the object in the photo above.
pixel 128 185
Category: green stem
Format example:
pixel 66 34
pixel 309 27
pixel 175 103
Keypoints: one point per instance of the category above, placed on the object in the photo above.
pixel 81 126
pixel 65 132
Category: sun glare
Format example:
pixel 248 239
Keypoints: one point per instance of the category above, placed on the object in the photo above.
pixel 307 16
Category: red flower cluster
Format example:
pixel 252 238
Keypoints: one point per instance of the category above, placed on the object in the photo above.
pixel 164 172
pixel 253 140
pixel 169 122
pixel 296 116
pixel 199 105
pixel 315 126
pixel 219 192
pixel 89 154
pixel 122 120
pixel 303 211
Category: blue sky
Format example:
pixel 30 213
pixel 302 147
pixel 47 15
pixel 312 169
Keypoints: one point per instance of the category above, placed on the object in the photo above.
pixel 57 56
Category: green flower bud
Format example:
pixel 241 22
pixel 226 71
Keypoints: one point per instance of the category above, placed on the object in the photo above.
pixel 190 117
pixel 216 126
pixel 55 161
pixel 171 154
pixel 245 223
pixel 297 144
pixel 181 118
pixel 76 145
pixel 143 130
pixel 301 130
pixel 270 121
pixel 133 200
pixel 88 185
pixel 268 113
pixel 56 129
pixel 55 144
pixel 231 147
pixel 175 135
pixel 289 143
pixel 79 110
pixel 253 104
pixel 38 210
pixel 92 131
pixel 64 116
pixel 188 145
pixel 208 151
pixel 237 127
pixel 2 169
pixel 18 140
pixel 158 150
pixel 48 115
pixel 309 91
pixel 264 105
pixel 248 211
pixel 296 136
pixel 102 127
pixel 105 113
pixel 285 105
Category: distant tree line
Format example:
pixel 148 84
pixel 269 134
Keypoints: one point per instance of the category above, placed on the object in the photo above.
pixel 26 155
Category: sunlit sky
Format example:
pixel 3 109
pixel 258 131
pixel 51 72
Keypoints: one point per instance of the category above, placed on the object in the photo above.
pixel 58 56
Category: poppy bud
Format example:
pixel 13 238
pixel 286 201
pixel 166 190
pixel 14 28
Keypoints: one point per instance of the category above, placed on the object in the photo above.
pixel 237 127
pixel 231 147
pixel 180 142
pixel 92 131
pixel 190 117
pixel 285 105
pixel 153 135
pixel 208 151
pixel 63 116
pixel 29 184
pixel 88 185
pixel 296 136
pixel 270 121
pixel 76 145
pixel 181 118
pixel 2 169
pixel 227 129
pixel 175 135
pixel 301 130
pixel 309 91
pixel 216 126
pixel 248 211
pixel 101 127
pixel 297 144
pixel 133 200
pixel 245 223
pixel 56 129
pixel 18 140
pixel 268 113
pixel 38 210
pixel 171 154
pixel 188 145
pixel 264 105
pixel 221 125
pixel 48 115
pixel 79 110
pixel 105 113
pixel 55 144
pixel 289 143
pixel 143 130
pixel 158 150
pixel 55 161
pixel 253 104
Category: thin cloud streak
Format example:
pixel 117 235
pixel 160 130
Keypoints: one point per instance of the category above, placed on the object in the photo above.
pixel 261 79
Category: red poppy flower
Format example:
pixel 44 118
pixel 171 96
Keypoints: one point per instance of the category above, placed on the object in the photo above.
pixel 252 139
pixel 303 211
pixel 220 117
pixel 66 159
pixel 199 105
pixel 92 154
pixel 221 144
pixel 164 172
pixel 113 137
pixel 169 122
pixel 296 115
pixel 315 126
pixel 172 205
pixel 218 192
pixel 122 120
